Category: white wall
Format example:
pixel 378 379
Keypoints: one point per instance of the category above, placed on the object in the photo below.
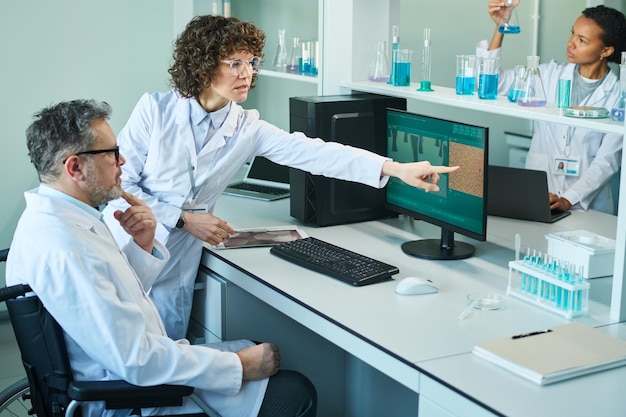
pixel 51 51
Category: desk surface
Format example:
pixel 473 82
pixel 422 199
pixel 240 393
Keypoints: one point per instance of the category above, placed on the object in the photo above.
pixel 406 335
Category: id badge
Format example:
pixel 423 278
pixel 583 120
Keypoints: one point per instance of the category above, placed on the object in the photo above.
pixel 566 165
pixel 196 208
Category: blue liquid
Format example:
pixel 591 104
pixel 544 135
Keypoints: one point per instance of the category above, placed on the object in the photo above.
pixel 379 79
pixel 513 95
pixel 617 115
pixel 465 86
pixel 488 86
pixel 533 102
pixel 402 74
pixel 509 29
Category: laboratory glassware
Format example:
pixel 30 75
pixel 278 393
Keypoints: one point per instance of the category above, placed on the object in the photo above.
pixel 563 93
pixel 426 65
pixel 465 75
pixel 379 69
pixel 280 59
pixel 293 61
pixel 308 59
pixel 226 7
pixel 508 24
pixel 395 45
pixel 617 111
pixel 402 67
pixel 533 94
pixel 519 72
pixel 488 78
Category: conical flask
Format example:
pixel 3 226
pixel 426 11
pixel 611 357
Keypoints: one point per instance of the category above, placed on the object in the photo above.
pixel 508 24
pixel 293 61
pixel 280 59
pixel 379 70
pixel 520 75
pixel 532 94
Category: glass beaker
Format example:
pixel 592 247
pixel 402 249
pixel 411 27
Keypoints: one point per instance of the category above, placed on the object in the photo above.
pixel 280 59
pixel 617 111
pixel 508 24
pixel 293 61
pixel 533 94
pixel 519 72
pixel 308 61
pixel 465 75
pixel 402 67
pixel 379 70
pixel 488 69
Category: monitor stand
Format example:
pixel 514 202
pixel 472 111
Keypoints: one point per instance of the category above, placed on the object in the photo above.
pixel 445 249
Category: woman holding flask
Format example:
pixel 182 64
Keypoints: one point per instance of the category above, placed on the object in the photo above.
pixel 591 158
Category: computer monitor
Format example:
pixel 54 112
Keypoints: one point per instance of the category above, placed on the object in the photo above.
pixel 460 206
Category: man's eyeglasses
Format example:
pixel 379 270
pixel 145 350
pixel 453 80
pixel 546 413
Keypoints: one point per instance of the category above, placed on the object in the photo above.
pixel 237 64
pixel 116 152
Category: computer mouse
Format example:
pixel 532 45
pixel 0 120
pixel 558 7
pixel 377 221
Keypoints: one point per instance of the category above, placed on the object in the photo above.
pixel 415 286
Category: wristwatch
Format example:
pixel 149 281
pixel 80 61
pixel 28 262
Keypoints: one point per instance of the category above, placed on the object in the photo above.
pixel 181 220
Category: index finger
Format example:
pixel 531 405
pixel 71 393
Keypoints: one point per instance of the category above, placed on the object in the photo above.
pixel 443 169
pixel 132 200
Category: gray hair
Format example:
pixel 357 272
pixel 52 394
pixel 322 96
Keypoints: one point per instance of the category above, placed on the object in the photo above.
pixel 62 130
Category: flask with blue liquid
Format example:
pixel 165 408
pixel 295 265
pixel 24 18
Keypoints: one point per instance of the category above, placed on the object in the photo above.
pixel 508 24
pixel 532 94
pixel 519 72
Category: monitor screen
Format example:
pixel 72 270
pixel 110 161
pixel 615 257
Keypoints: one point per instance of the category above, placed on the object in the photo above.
pixel 460 206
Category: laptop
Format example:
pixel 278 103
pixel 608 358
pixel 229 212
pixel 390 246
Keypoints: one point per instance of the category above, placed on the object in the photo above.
pixel 520 194
pixel 264 180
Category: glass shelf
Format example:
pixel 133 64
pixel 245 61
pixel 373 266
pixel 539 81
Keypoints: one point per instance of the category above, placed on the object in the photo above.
pixel 288 76
pixel 447 96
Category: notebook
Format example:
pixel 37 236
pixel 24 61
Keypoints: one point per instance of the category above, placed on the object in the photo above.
pixel 264 180
pixel 520 194
pixel 551 355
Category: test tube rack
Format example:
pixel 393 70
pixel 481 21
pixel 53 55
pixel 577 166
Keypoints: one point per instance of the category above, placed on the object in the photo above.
pixel 549 287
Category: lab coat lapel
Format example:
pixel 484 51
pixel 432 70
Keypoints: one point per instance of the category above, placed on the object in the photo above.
pixel 599 95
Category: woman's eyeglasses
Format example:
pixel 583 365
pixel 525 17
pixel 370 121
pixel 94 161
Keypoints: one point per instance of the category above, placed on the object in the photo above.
pixel 237 64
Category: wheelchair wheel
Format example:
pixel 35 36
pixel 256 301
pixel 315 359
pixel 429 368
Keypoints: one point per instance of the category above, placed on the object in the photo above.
pixel 15 400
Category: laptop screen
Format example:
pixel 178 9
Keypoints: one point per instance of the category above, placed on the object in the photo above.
pixel 265 170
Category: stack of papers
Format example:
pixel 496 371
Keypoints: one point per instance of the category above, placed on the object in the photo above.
pixel 552 355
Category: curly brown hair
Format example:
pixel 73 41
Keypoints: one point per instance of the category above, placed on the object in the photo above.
pixel 206 41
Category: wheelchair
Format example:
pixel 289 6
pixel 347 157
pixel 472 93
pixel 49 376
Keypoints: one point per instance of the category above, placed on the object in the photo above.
pixel 49 389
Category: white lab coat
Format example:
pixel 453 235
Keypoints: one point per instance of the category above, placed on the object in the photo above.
pixel 162 164
pixel 600 153
pixel 112 328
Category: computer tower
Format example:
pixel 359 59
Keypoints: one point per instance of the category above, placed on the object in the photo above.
pixel 357 120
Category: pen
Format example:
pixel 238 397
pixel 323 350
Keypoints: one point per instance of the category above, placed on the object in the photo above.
pixel 520 336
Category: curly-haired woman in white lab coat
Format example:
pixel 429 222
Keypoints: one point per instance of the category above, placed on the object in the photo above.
pixel 184 146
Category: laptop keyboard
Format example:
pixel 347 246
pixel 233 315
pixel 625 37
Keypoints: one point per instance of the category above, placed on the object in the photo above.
pixel 259 188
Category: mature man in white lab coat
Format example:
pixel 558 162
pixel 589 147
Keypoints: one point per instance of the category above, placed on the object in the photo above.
pixel 65 252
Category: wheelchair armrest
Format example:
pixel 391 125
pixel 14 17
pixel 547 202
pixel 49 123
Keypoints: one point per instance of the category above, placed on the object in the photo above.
pixel 121 394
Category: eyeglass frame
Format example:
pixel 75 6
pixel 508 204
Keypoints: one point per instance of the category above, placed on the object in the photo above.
pixel 240 61
pixel 116 152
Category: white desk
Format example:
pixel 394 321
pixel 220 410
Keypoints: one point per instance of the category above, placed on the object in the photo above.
pixel 418 341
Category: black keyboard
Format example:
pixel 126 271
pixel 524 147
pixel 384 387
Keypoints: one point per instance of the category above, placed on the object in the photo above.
pixel 332 260
pixel 259 188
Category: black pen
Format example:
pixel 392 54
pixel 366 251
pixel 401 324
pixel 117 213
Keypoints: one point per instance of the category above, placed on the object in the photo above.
pixel 519 336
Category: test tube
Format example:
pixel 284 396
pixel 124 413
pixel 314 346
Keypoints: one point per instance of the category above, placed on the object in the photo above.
pixel 425 81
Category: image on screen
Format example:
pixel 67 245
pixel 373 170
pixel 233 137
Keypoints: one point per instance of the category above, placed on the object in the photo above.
pixel 460 206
